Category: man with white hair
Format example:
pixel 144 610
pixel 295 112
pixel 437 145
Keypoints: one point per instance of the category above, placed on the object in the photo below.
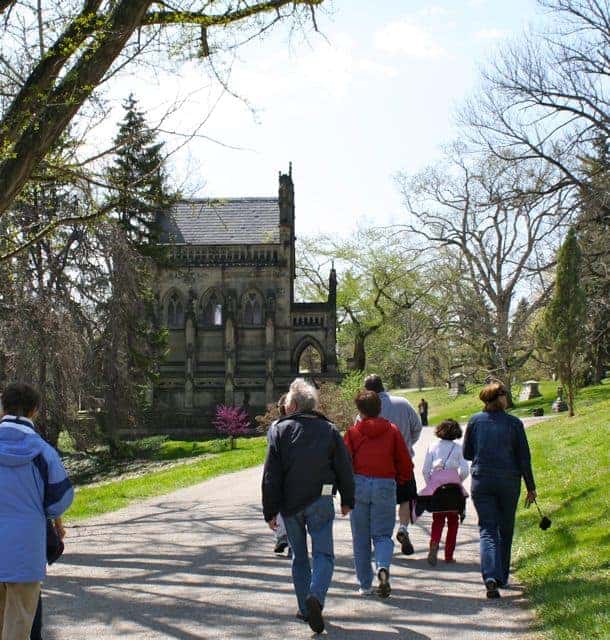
pixel 307 462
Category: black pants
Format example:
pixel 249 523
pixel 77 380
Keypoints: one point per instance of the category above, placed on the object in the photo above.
pixel 424 419
pixel 36 633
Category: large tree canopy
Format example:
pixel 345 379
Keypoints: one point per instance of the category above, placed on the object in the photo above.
pixel 43 85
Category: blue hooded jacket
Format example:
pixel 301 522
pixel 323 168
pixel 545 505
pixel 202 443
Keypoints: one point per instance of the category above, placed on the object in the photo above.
pixel 34 486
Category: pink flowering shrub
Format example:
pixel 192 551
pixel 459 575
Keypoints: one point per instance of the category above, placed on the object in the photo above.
pixel 231 422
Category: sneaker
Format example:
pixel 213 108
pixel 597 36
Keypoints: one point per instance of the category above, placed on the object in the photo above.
pixel 432 554
pixel 492 588
pixel 314 614
pixel 280 545
pixel 384 589
pixel 405 543
pixel 450 560
pixel 300 616
pixel 365 592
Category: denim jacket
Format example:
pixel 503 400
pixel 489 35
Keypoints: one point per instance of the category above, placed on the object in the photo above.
pixel 496 443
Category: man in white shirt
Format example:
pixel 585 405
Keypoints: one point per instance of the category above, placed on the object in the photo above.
pixel 400 412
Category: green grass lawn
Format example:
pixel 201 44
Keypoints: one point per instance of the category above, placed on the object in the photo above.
pixel 91 501
pixel 460 408
pixel 566 569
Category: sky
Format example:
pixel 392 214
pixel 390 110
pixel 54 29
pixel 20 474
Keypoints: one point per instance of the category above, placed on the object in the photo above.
pixel 376 94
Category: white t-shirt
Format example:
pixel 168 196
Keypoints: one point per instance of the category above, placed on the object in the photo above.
pixel 445 452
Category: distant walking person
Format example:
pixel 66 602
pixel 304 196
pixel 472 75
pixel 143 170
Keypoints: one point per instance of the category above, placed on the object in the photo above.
pixel 380 459
pixel 423 412
pixel 400 412
pixel 33 487
pixel 281 539
pixel 444 465
pixel 496 443
pixel 307 461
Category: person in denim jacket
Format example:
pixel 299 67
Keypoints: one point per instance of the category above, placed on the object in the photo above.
pixel 496 443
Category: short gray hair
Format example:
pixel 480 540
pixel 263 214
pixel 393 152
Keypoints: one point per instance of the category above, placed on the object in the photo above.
pixel 303 394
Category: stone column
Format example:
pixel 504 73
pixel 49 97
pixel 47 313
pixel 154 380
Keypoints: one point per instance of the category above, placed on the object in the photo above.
pixel 270 351
pixel 189 359
pixel 230 360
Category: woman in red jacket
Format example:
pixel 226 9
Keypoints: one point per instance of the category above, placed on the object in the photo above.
pixel 380 459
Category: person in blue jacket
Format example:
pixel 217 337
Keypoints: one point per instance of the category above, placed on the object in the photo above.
pixel 496 443
pixel 34 487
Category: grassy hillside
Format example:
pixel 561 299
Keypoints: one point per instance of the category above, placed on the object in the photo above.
pixel 94 500
pixel 566 569
pixel 442 406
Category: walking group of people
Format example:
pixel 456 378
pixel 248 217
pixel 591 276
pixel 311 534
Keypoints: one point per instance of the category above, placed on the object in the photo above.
pixel 371 467
pixel 307 463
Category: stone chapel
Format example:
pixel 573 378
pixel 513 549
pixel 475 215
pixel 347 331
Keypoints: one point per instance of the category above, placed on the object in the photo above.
pixel 236 334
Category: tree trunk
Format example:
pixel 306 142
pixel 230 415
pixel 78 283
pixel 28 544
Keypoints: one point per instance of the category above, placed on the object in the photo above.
pixel 359 359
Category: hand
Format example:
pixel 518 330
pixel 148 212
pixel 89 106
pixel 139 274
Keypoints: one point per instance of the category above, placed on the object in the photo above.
pixel 530 498
pixel 345 510
pixel 59 527
pixel 273 523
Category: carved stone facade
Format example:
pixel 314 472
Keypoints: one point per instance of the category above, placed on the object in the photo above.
pixel 236 335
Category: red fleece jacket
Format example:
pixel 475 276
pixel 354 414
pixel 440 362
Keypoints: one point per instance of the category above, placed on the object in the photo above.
pixel 378 450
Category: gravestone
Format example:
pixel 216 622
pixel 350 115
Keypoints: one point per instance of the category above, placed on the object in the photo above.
pixel 530 390
pixel 559 404
pixel 457 385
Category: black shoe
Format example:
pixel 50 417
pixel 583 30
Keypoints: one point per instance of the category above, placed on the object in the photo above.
pixel 405 543
pixel 492 588
pixel 280 545
pixel 383 589
pixel 300 616
pixel 314 614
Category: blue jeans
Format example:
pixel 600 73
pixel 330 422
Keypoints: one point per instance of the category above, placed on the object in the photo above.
pixel 373 519
pixel 317 520
pixel 495 500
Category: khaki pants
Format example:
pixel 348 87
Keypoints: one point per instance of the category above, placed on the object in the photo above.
pixel 18 602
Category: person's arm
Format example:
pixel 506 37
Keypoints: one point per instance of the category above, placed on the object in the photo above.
pixel 468 445
pixel 415 425
pixel 272 479
pixel 402 459
pixel 342 464
pixel 525 460
pixel 427 468
pixel 58 492
pixel 464 469
pixel 59 527
pixel 348 444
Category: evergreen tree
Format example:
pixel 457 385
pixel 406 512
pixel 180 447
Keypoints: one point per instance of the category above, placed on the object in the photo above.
pixel 564 317
pixel 140 196
pixel 593 226
pixel 134 341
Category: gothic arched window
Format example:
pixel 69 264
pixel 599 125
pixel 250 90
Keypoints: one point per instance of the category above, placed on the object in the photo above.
pixel 253 309
pixel 211 312
pixel 175 311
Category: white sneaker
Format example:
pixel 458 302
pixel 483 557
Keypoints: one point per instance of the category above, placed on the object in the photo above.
pixel 365 592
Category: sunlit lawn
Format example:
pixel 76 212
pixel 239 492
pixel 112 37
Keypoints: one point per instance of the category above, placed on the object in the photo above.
pixel 443 406
pixel 566 569
pixel 91 501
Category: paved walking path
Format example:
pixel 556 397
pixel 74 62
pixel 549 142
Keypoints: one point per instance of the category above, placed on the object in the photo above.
pixel 199 564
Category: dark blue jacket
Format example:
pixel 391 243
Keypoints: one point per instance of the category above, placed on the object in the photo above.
pixel 495 441
pixel 305 452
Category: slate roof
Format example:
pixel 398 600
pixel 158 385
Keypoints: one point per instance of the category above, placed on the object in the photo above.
pixel 223 221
